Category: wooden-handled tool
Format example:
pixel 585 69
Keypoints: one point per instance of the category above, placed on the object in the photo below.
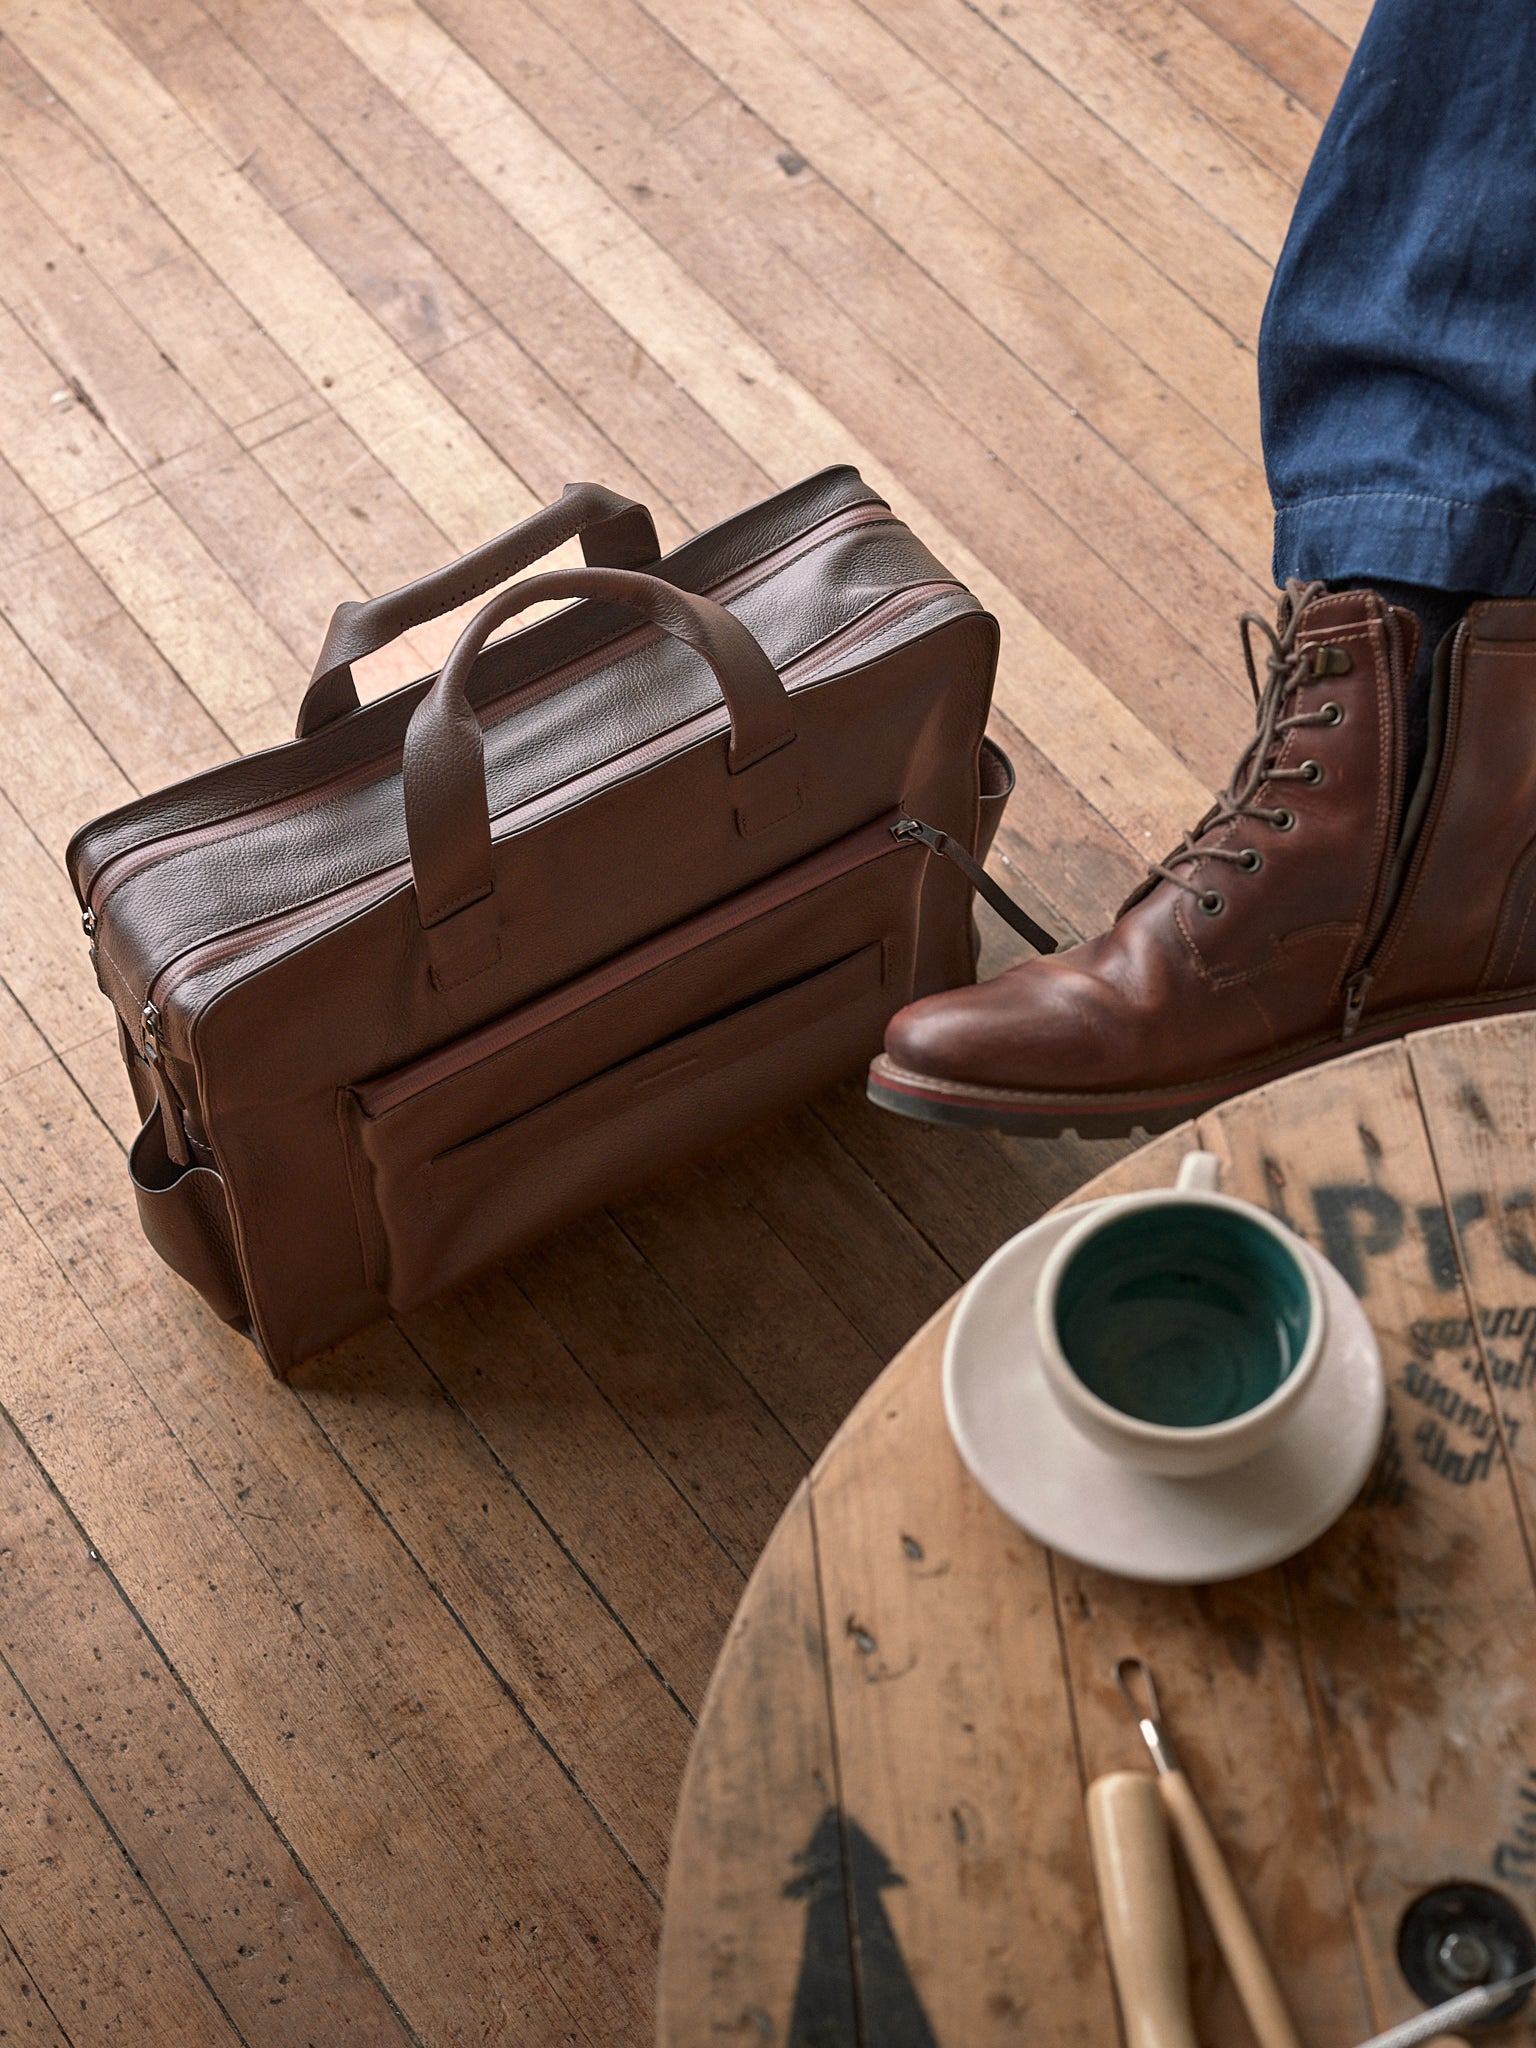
pixel 1139 1901
pixel 1239 1944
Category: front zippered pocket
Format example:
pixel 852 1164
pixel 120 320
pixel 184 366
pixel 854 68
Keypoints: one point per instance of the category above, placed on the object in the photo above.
pixel 156 1020
pixel 728 1018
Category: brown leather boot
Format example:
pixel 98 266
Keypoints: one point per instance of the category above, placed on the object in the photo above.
pixel 1300 918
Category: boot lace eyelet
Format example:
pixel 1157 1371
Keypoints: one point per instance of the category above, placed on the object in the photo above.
pixel 1213 903
pixel 1250 860
pixel 1311 772
pixel 1283 820
pixel 1331 713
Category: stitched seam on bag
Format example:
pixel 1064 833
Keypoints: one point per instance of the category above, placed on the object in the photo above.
pixel 367 1221
pixel 459 902
pixel 450 974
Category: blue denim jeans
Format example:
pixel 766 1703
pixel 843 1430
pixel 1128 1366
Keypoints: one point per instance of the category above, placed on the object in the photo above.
pixel 1397 359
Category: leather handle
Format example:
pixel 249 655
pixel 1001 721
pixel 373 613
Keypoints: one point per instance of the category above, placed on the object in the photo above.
pixel 616 533
pixel 447 812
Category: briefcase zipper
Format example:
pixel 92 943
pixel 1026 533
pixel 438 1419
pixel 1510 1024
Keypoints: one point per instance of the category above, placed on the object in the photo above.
pixel 157 1025
pixel 122 867
pixel 154 1034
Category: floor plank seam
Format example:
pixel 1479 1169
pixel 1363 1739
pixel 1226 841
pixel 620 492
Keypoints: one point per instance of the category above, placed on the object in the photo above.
pixel 889 234
pixel 493 322
pixel 263 1566
pixel 1089 114
pixel 66 1765
pixel 1082 199
pixel 489 1665
pixel 1152 594
pixel 623 1420
pixel 722 1358
pixel 206 1724
pixel 1258 64
pixel 553 1533
pixel 891 1201
pixel 36 1989
pixel 148 200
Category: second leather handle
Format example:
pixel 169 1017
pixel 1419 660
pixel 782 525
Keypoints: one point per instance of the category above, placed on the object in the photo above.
pixel 1241 1949
pixel 616 533
pixel 447 813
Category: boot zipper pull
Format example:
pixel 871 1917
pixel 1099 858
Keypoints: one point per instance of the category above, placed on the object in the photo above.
pixel 1355 991
pixel 88 922
pixel 151 1033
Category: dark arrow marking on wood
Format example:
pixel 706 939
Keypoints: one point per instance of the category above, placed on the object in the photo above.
pixel 891 2013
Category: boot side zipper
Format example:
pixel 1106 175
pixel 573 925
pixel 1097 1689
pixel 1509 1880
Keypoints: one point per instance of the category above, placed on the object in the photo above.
pixel 1408 859
pixel 1355 991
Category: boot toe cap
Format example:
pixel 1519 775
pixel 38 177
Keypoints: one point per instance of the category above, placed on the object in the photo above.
pixel 997 1034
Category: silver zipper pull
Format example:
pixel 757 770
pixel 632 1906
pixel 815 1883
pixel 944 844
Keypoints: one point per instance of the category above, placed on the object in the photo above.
pixel 151 1036
pixel 1354 1002
pixel 88 922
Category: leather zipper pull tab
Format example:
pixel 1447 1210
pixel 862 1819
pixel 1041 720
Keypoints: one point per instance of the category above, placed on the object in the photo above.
pixel 1009 911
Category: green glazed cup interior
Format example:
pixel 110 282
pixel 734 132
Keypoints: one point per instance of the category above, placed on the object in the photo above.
pixel 1183 1314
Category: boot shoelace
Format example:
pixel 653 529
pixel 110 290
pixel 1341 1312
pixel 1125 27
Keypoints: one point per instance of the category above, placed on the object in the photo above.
pixel 1285 668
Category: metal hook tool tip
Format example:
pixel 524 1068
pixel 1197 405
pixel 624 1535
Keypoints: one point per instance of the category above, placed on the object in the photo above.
pixel 1147 1712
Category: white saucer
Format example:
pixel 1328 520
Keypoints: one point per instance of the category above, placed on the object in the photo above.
pixel 1023 1451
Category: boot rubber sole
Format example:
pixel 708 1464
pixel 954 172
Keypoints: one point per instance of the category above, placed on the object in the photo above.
pixel 1034 1113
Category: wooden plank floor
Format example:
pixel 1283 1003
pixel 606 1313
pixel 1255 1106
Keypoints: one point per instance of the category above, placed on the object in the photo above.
pixel 355 1711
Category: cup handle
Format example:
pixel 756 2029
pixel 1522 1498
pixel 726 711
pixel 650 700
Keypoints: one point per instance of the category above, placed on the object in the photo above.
pixel 1200 1171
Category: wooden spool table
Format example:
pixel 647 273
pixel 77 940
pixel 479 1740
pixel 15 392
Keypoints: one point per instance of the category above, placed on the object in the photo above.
pixel 881 1837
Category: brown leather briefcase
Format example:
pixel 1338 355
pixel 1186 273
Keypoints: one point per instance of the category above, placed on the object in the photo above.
pixel 447 969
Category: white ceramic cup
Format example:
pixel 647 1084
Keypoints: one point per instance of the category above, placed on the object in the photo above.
pixel 1179 1449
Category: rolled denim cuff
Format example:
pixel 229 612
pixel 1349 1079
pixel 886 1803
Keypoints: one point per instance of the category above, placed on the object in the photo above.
pixel 1403 537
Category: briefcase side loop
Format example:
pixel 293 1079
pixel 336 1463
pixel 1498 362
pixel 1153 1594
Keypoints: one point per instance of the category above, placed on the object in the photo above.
pixel 615 532
pixel 447 812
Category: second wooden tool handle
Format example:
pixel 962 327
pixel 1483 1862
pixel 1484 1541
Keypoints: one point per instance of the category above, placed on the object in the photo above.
pixel 1235 1936
pixel 1139 1901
